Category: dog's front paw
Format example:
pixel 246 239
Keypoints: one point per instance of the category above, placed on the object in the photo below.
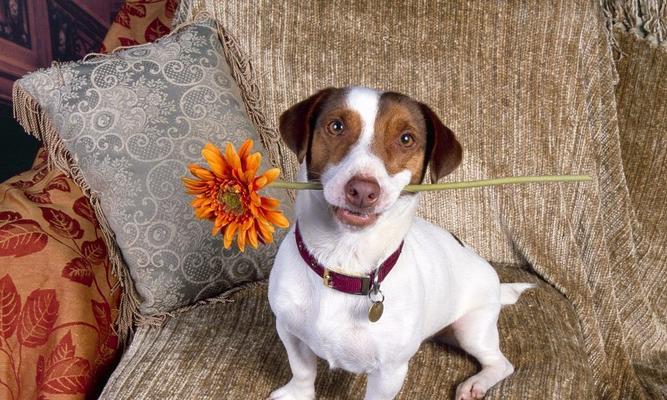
pixel 472 389
pixel 291 391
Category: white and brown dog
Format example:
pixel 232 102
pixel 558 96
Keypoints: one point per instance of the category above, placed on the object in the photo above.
pixel 360 281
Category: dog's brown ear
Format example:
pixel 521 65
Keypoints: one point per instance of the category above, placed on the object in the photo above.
pixel 446 152
pixel 297 123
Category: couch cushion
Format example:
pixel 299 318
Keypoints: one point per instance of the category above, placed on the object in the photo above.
pixel 231 350
pixel 126 126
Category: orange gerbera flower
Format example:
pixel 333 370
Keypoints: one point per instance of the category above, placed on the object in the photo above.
pixel 226 194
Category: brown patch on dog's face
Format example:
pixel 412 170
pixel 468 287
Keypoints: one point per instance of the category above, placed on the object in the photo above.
pixel 330 145
pixel 401 138
pixel 407 135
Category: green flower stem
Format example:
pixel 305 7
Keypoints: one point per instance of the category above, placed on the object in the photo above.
pixel 452 185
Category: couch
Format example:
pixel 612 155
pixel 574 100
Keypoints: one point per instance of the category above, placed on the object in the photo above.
pixel 570 87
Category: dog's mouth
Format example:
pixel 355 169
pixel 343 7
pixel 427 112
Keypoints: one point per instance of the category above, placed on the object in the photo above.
pixel 359 219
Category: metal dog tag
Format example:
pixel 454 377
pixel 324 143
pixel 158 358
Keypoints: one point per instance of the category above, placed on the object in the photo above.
pixel 377 308
pixel 375 311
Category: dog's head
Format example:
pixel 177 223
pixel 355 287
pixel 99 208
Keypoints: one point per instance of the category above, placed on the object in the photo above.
pixel 364 146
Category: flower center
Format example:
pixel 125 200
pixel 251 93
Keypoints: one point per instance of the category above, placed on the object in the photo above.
pixel 230 198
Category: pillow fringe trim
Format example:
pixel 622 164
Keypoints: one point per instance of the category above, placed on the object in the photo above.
pixel 244 74
pixel 32 118
pixel 157 320
pixel 646 19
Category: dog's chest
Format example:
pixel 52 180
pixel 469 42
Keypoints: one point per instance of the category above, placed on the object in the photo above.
pixel 338 331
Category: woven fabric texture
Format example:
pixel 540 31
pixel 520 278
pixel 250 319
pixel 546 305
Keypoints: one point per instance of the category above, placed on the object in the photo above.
pixel 528 87
pixel 231 351
pixel 642 118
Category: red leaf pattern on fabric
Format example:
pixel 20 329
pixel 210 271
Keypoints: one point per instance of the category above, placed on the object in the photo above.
pixel 9 216
pixel 10 306
pixel 40 175
pixel 59 183
pixel 22 184
pixel 108 342
pixel 38 316
pixel 69 376
pixel 78 270
pixel 94 250
pixel 155 30
pixel 102 315
pixel 63 350
pixel 106 350
pixel 21 237
pixel 127 41
pixel 83 208
pixel 170 8
pixel 39 374
pixel 39 197
pixel 62 223
pixel 128 10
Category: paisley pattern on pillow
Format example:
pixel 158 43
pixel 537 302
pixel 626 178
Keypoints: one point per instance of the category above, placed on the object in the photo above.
pixel 132 122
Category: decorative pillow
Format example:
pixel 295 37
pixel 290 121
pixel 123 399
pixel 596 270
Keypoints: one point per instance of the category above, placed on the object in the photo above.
pixel 58 298
pixel 126 126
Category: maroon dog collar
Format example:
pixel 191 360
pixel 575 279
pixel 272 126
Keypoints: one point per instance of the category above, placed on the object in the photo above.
pixel 346 283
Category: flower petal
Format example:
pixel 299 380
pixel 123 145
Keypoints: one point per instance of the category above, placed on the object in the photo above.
pixel 277 218
pixel 260 182
pixel 255 199
pixel 265 232
pixel 213 153
pixel 271 174
pixel 245 148
pixel 218 224
pixel 240 240
pixel 270 203
pixel 195 191
pixel 194 186
pixel 201 173
pixel 229 235
pixel 217 168
pixel 253 162
pixel 232 157
pixel 252 236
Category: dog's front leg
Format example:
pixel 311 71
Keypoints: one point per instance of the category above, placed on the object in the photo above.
pixel 385 382
pixel 303 364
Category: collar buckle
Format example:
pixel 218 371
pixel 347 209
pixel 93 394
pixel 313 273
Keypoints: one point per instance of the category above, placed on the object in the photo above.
pixel 365 285
pixel 326 278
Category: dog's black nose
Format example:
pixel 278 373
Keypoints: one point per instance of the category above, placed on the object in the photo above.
pixel 362 192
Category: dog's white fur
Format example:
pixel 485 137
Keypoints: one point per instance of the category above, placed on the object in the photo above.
pixel 436 283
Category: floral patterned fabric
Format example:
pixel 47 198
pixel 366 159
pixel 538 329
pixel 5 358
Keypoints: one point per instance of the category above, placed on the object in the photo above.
pixel 133 121
pixel 140 21
pixel 57 303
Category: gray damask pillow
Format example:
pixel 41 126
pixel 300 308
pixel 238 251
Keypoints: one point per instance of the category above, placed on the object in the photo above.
pixel 126 126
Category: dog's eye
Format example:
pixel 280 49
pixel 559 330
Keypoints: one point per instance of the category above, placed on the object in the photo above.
pixel 407 140
pixel 336 127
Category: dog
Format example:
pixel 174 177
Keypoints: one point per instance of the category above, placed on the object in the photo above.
pixel 359 280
